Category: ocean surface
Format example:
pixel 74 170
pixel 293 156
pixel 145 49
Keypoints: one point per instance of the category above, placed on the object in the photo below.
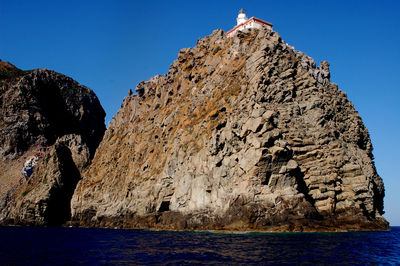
pixel 41 246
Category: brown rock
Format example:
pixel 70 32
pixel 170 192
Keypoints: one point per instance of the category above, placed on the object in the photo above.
pixel 183 153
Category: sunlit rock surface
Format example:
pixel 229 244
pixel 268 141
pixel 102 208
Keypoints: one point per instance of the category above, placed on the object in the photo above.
pixel 242 133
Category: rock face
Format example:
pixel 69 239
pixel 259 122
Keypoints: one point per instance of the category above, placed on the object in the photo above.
pixel 242 133
pixel 50 127
pixel 41 105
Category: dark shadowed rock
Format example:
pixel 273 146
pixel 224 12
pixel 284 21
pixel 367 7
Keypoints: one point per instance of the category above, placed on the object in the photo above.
pixel 50 127
pixel 41 105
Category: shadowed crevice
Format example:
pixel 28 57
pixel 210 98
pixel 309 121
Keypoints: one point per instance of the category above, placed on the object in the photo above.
pixel 59 202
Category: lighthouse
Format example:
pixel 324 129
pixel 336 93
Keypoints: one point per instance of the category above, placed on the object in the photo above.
pixel 241 18
pixel 242 22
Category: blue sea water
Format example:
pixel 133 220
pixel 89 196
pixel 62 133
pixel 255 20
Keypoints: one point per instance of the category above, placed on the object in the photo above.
pixel 71 246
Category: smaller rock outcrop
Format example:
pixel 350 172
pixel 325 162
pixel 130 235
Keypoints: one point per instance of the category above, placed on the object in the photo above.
pixel 50 127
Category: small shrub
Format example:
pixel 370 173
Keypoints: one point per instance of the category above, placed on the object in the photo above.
pixel 10 73
pixel 216 50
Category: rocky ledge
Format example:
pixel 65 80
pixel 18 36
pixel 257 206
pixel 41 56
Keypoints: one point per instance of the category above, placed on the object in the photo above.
pixel 242 133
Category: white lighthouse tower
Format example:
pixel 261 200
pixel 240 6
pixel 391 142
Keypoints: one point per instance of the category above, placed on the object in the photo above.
pixel 241 17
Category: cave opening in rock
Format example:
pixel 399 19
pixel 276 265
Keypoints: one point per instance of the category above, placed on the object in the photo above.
pixel 164 207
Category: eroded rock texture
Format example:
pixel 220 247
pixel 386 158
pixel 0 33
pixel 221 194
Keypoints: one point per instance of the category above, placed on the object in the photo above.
pixel 242 133
pixel 51 120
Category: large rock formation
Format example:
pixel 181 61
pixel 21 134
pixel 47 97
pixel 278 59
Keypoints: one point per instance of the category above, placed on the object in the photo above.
pixel 242 133
pixel 50 127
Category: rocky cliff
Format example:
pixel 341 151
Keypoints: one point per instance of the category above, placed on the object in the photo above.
pixel 242 133
pixel 50 127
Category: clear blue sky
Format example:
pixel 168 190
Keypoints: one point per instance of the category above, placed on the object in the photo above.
pixel 110 46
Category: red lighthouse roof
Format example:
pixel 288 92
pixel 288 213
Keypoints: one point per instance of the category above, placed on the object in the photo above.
pixel 252 22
